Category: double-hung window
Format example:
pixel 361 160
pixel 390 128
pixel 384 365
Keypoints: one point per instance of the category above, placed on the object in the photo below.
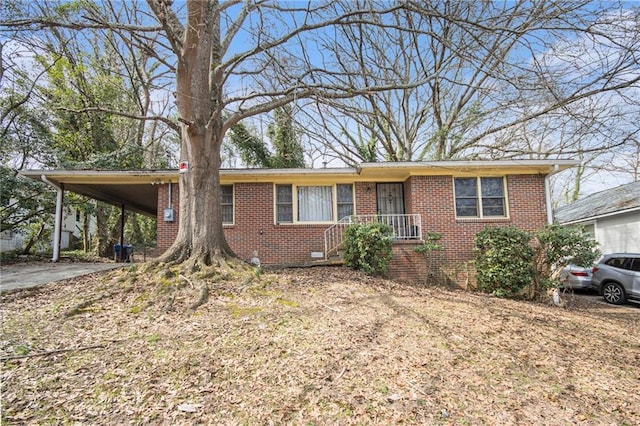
pixel 344 199
pixel 319 203
pixel 284 204
pixel 226 203
pixel 481 197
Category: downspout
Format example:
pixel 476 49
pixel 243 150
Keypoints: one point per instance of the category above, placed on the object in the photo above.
pixel 547 193
pixel 57 227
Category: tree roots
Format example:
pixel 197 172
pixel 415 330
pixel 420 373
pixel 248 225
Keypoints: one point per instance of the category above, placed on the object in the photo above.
pixel 178 279
pixel 202 298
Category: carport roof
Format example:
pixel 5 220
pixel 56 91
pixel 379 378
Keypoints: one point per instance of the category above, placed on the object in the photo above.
pixel 137 190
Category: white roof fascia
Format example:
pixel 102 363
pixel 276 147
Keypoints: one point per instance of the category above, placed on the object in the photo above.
pixel 471 163
pixel 280 172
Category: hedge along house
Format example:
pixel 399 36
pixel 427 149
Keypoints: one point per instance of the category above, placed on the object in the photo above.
pixel 297 216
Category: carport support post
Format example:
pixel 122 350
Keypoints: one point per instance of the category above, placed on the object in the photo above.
pixel 57 231
pixel 121 254
pixel 57 226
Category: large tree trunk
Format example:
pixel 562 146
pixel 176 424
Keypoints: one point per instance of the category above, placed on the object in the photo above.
pixel 85 232
pixel 200 233
pixel 200 240
pixel 101 238
pixel 207 235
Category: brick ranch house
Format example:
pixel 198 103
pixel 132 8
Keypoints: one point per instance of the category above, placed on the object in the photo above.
pixel 297 216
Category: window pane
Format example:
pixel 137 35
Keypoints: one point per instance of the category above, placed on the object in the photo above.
pixel 466 187
pixel 226 203
pixel 284 194
pixel 345 193
pixel 285 213
pixel 493 207
pixel 345 200
pixel 626 264
pixel 467 207
pixel 493 196
pixel 345 210
pixel 616 262
pixel 226 194
pixel 227 214
pixel 284 204
pixel 315 203
pixel 492 187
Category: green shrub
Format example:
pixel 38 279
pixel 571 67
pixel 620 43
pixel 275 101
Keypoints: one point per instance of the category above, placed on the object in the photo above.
pixel 430 243
pixel 367 247
pixel 555 246
pixel 503 260
pixel 428 249
pixel 509 259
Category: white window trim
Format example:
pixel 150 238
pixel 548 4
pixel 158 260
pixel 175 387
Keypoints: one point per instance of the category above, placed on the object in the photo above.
pixel 294 203
pixel 233 205
pixel 479 198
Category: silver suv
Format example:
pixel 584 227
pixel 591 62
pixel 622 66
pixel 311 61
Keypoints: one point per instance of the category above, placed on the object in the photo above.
pixel 617 277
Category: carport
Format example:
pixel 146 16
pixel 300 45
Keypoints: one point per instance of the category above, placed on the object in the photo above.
pixel 133 190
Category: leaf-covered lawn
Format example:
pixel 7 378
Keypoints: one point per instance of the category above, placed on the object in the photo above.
pixel 312 346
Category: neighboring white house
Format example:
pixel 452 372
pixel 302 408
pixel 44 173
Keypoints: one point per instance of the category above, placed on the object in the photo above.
pixel 72 223
pixel 613 216
pixel 10 240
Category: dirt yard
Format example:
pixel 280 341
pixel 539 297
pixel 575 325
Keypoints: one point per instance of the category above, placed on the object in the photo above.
pixel 314 346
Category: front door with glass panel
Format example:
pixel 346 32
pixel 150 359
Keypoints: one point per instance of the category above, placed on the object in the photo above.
pixel 390 200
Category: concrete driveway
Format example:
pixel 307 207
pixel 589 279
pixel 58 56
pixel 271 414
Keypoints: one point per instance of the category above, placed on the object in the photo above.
pixel 28 275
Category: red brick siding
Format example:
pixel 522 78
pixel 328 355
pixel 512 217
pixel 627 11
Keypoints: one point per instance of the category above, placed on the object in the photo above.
pixel 408 196
pixel 167 231
pixel 406 264
pixel 365 195
pixel 433 198
pixel 255 229
pixel 254 226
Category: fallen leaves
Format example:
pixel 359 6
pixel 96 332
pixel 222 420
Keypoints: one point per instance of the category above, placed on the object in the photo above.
pixel 318 346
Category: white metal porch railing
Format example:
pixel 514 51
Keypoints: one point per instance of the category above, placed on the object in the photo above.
pixel 405 227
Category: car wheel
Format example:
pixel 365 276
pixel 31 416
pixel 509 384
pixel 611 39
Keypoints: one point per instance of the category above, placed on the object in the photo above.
pixel 613 293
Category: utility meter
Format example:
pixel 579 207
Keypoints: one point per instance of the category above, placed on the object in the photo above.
pixel 168 215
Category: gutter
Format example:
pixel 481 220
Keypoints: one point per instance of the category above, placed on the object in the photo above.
pixel 547 193
pixel 57 228
pixel 456 164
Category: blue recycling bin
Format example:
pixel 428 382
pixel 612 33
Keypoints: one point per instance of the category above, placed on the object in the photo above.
pixel 127 255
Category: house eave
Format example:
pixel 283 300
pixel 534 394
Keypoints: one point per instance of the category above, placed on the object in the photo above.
pixel 403 170
pixel 137 189
pixel 346 174
pixel 364 171
pixel 122 177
